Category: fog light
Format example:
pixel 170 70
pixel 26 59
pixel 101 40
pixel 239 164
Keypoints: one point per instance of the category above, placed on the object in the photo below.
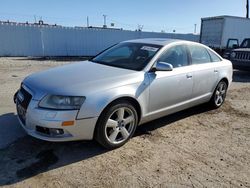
pixel 56 132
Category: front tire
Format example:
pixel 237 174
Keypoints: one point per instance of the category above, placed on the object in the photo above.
pixel 116 125
pixel 219 95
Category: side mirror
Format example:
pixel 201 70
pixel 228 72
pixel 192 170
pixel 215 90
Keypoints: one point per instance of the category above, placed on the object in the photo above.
pixel 162 66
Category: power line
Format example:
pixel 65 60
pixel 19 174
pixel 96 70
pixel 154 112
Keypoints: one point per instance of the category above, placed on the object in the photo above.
pixel 68 21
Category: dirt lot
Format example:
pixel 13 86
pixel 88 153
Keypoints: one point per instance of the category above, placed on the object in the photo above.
pixel 199 147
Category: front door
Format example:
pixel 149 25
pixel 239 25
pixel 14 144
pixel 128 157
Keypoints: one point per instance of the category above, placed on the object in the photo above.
pixel 169 89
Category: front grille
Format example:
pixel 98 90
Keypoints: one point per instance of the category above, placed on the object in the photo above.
pixel 26 98
pixel 23 99
pixel 242 56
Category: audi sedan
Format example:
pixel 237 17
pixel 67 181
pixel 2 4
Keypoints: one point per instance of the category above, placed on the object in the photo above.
pixel 131 83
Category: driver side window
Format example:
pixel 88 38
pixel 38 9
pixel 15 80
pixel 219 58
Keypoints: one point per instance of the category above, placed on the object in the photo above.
pixel 176 56
pixel 121 53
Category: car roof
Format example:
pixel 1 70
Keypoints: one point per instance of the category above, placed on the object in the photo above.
pixel 156 41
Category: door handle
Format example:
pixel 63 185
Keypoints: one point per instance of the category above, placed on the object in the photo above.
pixel 216 71
pixel 189 76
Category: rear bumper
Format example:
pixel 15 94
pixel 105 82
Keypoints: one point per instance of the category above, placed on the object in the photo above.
pixel 38 119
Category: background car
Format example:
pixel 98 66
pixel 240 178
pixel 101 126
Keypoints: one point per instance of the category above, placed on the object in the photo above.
pixel 241 57
pixel 127 85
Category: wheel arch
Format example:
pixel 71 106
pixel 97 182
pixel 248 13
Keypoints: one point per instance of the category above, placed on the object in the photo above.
pixel 129 99
pixel 221 79
pixel 225 79
pixel 211 102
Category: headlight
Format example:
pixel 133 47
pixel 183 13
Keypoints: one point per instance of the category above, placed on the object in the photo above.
pixel 233 54
pixel 62 102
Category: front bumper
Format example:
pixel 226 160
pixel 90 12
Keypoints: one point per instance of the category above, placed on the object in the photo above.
pixel 38 119
pixel 241 65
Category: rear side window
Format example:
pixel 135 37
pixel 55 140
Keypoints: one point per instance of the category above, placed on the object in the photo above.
pixel 199 54
pixel 214 57
pixel 176 56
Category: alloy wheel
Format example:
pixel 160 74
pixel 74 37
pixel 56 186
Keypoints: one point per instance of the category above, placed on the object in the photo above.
pixel 220 94
pixel 120 125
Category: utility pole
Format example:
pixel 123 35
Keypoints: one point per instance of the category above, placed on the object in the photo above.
pixel 247 9
pixel 105 19
pixel 140 27
pixel 195 26
pixel 87 21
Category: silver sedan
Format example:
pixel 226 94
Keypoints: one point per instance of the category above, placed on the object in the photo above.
pixel 129 84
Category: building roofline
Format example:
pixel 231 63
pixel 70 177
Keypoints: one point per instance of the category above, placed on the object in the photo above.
pixel 224 16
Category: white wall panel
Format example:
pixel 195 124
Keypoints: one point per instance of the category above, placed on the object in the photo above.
pixel 32 40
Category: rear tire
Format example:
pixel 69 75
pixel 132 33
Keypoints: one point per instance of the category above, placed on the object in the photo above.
pixel 219 95
pixel 116 125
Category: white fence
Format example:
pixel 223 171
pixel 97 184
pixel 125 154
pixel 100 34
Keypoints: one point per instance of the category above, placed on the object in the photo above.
pixel 42 40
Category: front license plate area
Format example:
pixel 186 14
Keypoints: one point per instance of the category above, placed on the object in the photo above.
pixel 21 111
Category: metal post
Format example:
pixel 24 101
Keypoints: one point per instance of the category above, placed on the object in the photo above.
pixel 87 21
pixel 105 23
pixel 42 40
pixel 247 9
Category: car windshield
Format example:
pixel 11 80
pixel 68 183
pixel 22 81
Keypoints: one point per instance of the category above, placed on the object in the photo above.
pixel 245 43
pixel 133 56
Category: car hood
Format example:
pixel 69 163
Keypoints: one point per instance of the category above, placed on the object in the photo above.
pixel 79 79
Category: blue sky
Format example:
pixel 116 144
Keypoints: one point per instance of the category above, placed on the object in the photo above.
pixel 154 15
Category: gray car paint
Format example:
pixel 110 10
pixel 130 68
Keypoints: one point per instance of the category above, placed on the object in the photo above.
pixel 157 93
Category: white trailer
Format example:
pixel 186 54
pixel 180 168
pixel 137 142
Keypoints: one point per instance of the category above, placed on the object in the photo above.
pixel 224 32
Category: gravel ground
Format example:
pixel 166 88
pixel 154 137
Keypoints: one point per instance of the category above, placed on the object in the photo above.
pixel 199 147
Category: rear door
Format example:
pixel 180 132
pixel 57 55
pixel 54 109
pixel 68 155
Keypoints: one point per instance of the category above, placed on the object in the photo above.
pixel 206 73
